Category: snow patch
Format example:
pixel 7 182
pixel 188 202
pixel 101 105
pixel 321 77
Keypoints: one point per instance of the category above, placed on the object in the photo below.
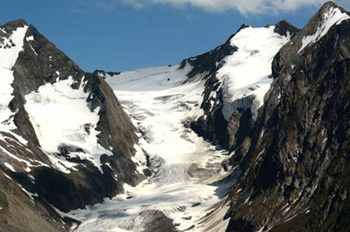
pixel 333 17
pixel 139 159
pixel 291 218
pixel 9 50
pixel 29 194
pixel 30 38
pixel 7 176
pixel 8 57
pixel 27 163
pixel 286 210
pixel 61 117
pixel 31 47
pixel 10 167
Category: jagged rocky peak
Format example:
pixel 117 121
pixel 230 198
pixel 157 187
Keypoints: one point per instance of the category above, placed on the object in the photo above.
pixel 244 25
pixel 13 25
pixel 6 31
pixel 103 73
pixel 285 28
pixel 329 15
pixel 64 137
pixel 207 63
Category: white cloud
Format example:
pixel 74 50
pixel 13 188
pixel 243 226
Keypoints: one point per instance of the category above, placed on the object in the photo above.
pixel 83 6
pixel 135 3
pixel 243 6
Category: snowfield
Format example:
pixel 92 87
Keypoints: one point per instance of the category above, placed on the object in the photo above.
pixel 248 71
pixel 60 116
pixel 186 169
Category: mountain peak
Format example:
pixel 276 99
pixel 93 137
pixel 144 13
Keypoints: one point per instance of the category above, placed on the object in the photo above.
pixel 327 5
pixel 284 27
pixel 15 23
pixel 244 25
pixel 328 16
pixel 328 10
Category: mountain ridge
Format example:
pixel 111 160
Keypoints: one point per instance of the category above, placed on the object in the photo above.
pixel 284 129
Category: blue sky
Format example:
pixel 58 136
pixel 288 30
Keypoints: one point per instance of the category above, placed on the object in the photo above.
pixel 120 35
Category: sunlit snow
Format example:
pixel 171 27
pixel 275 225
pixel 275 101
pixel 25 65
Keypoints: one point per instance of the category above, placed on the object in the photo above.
pixel 8 57
pixel 248 71
pixel 333 17
pixel 185 167
pixel 9 166
pixel 9 50
pixel 60 116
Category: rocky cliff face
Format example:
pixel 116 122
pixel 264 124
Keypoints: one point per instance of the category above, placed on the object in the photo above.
pixel 295 158
pixel 64 137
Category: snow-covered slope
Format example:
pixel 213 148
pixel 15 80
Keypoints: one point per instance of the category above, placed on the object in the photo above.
pixel 11 43
pixel 148 79
pixel 334 16
pixel 61 117
pixel 235 88
pixel 184 166
pixel 10 46
pixel 248 71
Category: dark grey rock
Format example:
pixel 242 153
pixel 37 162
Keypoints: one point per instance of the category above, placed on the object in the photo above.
pixel 295 164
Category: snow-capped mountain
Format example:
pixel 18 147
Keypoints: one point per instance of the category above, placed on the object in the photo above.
pixel 234 91
pixel 250 136
pixel 296 157
pixel 64 138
